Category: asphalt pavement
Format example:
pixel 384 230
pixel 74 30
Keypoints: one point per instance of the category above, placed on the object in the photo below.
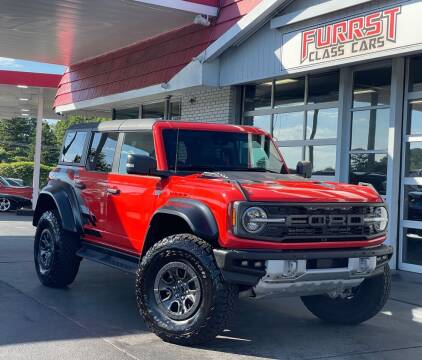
pixel 96 318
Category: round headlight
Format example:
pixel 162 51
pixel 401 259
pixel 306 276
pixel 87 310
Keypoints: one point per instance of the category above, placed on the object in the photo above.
pixel 380 218
pixel 252 219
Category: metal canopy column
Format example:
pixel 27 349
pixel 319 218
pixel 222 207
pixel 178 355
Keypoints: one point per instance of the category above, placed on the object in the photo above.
pixel 37 153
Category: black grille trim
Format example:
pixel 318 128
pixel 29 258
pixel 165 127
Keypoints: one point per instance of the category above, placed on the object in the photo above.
pixel 312 222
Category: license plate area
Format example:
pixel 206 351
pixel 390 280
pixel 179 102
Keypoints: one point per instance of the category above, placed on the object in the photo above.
pixel 317 264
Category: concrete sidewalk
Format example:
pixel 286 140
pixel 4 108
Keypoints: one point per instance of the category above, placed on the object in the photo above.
pixel 96 318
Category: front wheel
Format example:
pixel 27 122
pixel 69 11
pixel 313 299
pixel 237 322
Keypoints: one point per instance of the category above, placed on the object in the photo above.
pixel 6 205
pixel 353 307
pixel 181 293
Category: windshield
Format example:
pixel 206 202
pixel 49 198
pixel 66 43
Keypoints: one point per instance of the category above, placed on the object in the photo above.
pixel 197 150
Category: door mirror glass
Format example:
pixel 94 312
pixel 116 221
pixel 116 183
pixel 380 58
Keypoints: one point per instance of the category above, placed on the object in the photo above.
pixel 304 169
pixel 140 164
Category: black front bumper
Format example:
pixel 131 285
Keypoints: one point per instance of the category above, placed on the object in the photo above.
pixel 230 261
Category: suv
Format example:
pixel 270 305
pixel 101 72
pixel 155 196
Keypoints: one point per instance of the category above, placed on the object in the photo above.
pixel 205 212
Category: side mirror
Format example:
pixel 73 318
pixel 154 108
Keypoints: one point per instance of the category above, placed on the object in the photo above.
pixel 304 169
pixel 140 164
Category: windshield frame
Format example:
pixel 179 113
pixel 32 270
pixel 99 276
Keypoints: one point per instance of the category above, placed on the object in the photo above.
pixel 224 129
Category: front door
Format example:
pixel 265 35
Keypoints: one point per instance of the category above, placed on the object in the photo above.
pixel 131 199
pixel 93 184
pixel 410 255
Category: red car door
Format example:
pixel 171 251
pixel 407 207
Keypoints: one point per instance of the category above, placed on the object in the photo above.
pixel 93 184
pixel 131 199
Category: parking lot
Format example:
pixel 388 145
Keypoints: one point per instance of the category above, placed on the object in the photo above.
pixel 96 318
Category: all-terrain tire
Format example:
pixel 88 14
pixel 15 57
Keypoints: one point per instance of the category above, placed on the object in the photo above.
pixel 217 297
pixel 63 265
pixel 367 300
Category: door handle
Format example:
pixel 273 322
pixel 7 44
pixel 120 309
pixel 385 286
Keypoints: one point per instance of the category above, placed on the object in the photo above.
pixel 79 184
pixel 113 191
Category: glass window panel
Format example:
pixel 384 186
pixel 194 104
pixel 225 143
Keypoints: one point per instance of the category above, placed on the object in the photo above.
pixel 288 126
pixel 370 129
pixel 175 110
pixel 73 147
pixel 291 155
pixel 369 168
pixel 412 246
pixel 323 159
pixel 414 159
pixel 289 92
pixel 415 117
pixel 322 124
pixel 261 121
pixel 101 151
pixel 140 143
pixel 258 97
pixel 130 113
pixel 153 111
pixel 372 87
pixel 415 74
pixel 413 202
pixel 323 87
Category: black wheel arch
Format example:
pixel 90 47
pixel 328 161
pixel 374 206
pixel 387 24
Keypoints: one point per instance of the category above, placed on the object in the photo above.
pixel 61 196
pixel 180 215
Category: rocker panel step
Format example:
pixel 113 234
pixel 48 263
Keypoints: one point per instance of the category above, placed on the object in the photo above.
pixel 110 257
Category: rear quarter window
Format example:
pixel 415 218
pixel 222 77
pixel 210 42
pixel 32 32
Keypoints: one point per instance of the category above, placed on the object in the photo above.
pixel 73 147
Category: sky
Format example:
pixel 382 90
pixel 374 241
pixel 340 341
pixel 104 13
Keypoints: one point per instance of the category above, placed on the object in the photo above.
pixel 30 66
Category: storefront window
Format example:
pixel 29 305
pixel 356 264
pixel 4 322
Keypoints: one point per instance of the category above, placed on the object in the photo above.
pixel 415 74
pixel 153 111
pixel 415 117
pixel 321 124
pixel 412 246
pixel 370 129
pixel 323 88
pixel 414 159
pixel 260 121
pixel 370 169
pixel 289 92
pixel 175 111
pixel 413 202
pixel 372 87
pixel 303 124
pixel 258 96
pixel 288 126
pixel 129 113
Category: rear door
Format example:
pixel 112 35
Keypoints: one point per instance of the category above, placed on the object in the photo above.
pixel 131 199
pixel 92 181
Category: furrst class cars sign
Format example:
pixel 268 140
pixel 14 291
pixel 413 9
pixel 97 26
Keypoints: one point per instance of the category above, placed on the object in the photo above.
pixel 366 35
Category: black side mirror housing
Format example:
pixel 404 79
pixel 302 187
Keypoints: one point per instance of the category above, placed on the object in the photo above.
pixel 140 165
pixel 304 169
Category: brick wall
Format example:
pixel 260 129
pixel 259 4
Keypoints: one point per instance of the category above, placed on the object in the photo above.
pixel 215 105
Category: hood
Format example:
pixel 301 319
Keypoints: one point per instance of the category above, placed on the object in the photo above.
pixel 264 186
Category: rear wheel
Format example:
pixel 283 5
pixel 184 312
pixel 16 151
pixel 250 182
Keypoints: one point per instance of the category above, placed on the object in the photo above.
pixel 181 293
pixel 55 249
pixel 353 307
pixel 6 204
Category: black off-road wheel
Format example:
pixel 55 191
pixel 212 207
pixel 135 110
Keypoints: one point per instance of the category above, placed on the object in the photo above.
pixel 181 293
pixel 55 249
pixel 360 304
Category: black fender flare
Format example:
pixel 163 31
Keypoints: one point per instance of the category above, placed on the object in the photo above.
pixel 195 213
pixel 66 202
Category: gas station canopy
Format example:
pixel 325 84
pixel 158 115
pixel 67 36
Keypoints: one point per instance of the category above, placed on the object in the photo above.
pixel 69 31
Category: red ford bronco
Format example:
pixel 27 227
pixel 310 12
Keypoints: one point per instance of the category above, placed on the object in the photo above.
pixel 202 213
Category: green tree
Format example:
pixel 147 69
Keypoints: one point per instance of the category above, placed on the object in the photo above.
pixel 16 137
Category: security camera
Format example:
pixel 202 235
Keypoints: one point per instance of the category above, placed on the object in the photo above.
pixel 201 20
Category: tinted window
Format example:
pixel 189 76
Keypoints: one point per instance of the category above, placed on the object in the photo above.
pixel 288 92
pixel 73 147
pixel 140 143
pixel 414 159
pixel 323 88
pixel 369 168
pixel 415 74
pixel 153 111
pixel 370 129
pixel 130 113
pixel 196 150
pixel 258 96
pixel 175 110
pixel 322 124
pixel 323 159
pixel 288 126
pixel 372 87
pixel 101 151
pixel 415 117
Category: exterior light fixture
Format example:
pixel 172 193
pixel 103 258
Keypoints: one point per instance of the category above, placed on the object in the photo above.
pixel 22 86
pixel 202 20
pixel 24 110
pixel 23 99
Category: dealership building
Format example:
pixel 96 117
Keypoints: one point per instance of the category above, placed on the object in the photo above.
pixel 336 82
